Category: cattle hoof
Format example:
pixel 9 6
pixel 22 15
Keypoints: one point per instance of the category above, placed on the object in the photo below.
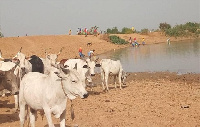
pixel 104 90
pixel 75 125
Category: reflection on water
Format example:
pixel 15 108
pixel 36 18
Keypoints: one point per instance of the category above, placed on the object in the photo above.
pixel 181 57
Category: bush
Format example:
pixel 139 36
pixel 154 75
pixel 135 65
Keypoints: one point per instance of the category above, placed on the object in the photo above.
pixel 117 40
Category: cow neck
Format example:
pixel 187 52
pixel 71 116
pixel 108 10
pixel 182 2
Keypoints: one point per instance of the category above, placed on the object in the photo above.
pixel 63 88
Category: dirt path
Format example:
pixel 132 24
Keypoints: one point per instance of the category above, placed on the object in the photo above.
pixel 148 99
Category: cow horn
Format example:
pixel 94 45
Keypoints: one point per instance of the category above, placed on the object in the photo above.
pixel 1 55
pixel 60 51
pixel 20 49
pixel 96 59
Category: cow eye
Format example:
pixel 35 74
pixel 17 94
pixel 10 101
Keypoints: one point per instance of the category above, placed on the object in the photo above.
pixel 8 80
pixel 74 81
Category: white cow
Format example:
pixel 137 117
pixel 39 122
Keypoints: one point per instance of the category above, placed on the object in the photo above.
pixel 49 93
pixel 25 65
pixel 50 60
pixel 111 67
pixel 84 67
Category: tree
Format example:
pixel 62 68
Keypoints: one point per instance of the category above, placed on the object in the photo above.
pixel 164 26
pixel 126 30
pixel 114 30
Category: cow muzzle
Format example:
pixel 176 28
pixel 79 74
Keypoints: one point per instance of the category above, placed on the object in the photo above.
pixel 92 74
pixel 85 95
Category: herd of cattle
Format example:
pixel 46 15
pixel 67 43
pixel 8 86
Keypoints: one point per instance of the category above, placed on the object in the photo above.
pixel 45 84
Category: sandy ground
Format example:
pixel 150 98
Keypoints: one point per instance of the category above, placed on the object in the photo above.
pixel 148 99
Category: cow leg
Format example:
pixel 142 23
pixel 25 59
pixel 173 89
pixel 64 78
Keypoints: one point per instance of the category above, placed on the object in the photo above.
pixel 115 81
pixel 120 82
pixel 32 116
pixel 62 119
pixel 48 116
pixel 16 102
pixel 106 80
pixel 102 79
pixel 89 79
pixel 22 114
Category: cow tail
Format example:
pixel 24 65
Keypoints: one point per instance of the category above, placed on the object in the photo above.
pixel 72 111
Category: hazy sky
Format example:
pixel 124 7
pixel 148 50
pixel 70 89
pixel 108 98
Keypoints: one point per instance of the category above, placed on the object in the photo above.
pixel 52 17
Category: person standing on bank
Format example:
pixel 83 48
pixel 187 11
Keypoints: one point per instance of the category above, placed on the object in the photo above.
pixel 91 53
pixel 70 32
pixel 80 52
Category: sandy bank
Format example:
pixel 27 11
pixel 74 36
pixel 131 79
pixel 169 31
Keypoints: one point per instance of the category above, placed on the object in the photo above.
pixel 53 43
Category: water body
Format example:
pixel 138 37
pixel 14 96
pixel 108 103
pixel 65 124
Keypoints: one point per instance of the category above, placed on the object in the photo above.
pixel 180 57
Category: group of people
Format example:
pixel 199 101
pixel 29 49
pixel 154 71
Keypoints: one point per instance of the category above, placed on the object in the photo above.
pixel 84 31
pixel 90 53
pixel 135 43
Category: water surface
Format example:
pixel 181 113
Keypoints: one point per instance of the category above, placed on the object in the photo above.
pixel 180 57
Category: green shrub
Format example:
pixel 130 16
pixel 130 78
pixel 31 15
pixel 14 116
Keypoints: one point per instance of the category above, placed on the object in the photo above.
pixel 117 40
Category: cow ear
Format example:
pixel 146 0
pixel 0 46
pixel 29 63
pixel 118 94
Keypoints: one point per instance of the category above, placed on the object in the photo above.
pixel 97 65
pixel 85 66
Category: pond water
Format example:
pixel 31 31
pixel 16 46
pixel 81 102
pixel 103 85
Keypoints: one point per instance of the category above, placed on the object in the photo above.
pixel 181 57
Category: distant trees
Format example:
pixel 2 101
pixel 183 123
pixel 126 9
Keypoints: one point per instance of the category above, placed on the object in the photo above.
pixel 115 30
pixel 126 30
pixel 188 29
